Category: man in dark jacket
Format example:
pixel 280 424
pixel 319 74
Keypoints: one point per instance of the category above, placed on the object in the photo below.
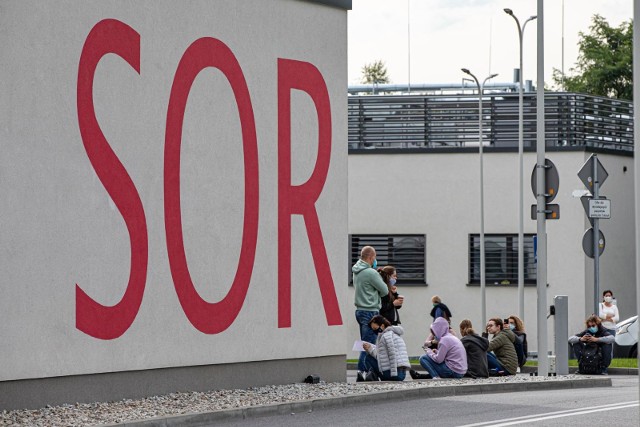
pixel 476 348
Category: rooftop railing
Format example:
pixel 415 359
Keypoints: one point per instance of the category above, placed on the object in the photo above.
pixel 435 121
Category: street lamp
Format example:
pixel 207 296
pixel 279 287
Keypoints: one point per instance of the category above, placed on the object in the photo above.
pixel 482 266
pixel 520 170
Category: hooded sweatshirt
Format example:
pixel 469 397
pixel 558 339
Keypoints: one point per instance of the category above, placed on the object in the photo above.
pixel 370 288
pixel 450 349
pixel 476 348
pixel 390 350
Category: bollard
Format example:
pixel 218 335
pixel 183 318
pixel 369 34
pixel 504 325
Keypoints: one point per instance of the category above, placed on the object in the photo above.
pixel 561 334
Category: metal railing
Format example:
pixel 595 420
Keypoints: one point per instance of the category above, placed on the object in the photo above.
pixel 413 121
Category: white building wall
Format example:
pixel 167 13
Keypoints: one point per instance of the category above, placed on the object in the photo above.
pixel 60 228
pixel 437 194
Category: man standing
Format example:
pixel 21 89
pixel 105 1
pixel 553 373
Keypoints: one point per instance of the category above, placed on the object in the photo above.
pixel 370 288
pixel 504 357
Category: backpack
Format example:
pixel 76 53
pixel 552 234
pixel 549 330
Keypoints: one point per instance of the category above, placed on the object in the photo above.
pixel 519 346
pixel 590 361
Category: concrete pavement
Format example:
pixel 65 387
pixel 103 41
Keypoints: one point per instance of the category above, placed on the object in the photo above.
pixel 441 390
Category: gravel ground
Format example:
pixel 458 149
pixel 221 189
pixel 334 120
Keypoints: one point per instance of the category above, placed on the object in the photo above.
pixel 87 414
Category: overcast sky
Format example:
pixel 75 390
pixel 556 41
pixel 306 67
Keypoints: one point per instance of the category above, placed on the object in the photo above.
pixel 446 35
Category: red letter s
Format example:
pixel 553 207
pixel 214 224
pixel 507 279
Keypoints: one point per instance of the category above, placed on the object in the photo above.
pixel 93 318
pixel 300 199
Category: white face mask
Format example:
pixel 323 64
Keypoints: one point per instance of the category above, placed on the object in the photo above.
pixel 608 299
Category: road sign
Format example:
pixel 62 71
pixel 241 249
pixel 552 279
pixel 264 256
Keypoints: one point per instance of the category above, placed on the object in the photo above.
pixel 551 181
pixel 585 205
pixel 551 211
pixel 586 173
pixel 587 243
pixel 600 209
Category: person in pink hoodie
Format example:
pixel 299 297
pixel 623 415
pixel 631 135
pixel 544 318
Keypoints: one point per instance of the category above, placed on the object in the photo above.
pixel 449 359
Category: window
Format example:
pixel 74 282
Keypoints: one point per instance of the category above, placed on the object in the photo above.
pixel 406 252
pixel 501 259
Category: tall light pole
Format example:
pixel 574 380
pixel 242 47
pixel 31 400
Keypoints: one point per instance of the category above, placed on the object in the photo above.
pixel 520 170
pixel 482 266
pixel 541 224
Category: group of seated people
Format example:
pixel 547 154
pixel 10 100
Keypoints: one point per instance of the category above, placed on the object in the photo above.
pixel 446 355
pixel 473 355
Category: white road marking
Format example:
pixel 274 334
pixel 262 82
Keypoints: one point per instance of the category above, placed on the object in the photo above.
pixel 556 414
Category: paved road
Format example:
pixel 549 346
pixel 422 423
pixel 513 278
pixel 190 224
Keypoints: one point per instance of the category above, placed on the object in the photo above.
pixel 616 406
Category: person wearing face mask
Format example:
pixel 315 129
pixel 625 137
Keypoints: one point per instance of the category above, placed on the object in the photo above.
pixel 388 357
pixel 449 358
pixel 522 348
pixel 369 290
pixel 440 309
pixel 595 333
pixel 392 302
pixel 608 312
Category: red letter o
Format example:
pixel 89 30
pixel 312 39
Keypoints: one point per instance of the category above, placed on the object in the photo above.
pixel 210 318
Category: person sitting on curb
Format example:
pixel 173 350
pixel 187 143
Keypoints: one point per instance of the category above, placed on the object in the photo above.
pixel 596 334
pixel 502 358
pixel 388 357
pixel 449 359
pixel 476 348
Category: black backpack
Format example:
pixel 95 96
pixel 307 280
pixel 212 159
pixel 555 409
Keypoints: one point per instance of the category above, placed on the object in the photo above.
pixel 590 362
pixel 519 346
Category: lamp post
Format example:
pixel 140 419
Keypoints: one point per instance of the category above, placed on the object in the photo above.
pixel 520 170
pixel 482 265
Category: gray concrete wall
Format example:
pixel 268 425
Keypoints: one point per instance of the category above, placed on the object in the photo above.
pixel 76 208
pixel 37 393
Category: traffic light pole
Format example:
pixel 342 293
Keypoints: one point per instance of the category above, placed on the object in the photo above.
pixel 543 360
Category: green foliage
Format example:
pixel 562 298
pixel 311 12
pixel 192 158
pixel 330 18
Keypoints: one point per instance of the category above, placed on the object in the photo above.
pixel 375 73
pixel 604 65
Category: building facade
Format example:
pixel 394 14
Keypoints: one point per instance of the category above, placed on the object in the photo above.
pixel 414 193
pixel 170 172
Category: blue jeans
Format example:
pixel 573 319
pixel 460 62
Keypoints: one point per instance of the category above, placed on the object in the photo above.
pixel 386 375
pixel 494 363
pixel 437 370
pixel 366 334
pixel 371 364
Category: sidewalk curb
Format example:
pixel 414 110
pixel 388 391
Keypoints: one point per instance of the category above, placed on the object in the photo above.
pixel 206 418
pixel 526 369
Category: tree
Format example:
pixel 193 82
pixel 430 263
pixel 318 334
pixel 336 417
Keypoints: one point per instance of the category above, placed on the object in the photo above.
pixel 375 73
pixel 604 65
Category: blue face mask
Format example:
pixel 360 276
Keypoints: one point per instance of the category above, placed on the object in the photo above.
pixel 392 281
pixel 375 264
pixel 593 329
pixel 512 327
